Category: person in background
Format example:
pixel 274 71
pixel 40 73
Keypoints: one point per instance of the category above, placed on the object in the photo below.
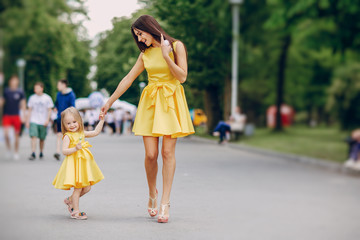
pixel 85 116
pixel 119 115
pixel 13 101
pixel 235 124
pixel 354 154
pixel 53 118
pixel 65 98
pixel 127 123
pixel 90 116
pixel 223 131
pixel 237 120
pixel 40 107
pixel 110 120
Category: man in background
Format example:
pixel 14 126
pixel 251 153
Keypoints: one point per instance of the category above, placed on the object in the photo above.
pixel 13 101
pixel 65 98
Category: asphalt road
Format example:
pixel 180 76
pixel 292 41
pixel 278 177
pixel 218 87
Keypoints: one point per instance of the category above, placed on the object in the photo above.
pixel 218 193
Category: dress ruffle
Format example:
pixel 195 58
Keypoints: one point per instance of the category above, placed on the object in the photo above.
pixel 163 111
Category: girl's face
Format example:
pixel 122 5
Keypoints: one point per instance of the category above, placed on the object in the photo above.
pixel 71 124
pixel 145 37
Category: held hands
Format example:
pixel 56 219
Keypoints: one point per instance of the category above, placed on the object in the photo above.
pixel 165 47
pixel 102 116
pixel 104 110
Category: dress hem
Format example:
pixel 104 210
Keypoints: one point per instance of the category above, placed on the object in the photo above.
pixel 69 186
pixel 173 135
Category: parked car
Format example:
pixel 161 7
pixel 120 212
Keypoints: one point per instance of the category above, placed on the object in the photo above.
pixel 198 117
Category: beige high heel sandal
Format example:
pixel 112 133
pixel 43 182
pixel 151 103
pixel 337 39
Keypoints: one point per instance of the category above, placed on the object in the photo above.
pixel 153 211
pixel 162 217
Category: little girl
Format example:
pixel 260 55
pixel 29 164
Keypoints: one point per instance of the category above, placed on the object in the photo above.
pixel 79 169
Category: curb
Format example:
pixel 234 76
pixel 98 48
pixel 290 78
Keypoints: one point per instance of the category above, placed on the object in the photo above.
pixel 315 162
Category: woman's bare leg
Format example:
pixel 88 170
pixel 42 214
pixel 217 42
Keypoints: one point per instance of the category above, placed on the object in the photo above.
pixel 169 165
pixel 151 166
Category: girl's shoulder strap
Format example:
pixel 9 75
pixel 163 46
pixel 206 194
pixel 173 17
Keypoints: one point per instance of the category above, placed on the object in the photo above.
pixel 69 134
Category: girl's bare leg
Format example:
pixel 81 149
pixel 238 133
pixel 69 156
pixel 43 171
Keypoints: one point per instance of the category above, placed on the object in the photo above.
pixel 75 199
pixel 84 191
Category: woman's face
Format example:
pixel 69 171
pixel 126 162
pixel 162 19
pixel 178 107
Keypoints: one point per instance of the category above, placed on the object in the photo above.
pixel 70 123
pixel 144 37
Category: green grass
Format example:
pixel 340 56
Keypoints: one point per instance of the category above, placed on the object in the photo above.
pixel 321 142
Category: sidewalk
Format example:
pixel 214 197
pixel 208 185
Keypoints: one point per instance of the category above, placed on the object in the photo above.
pixel 315 162
pixel 218 193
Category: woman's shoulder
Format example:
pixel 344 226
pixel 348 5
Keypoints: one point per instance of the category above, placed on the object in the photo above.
pixel 177 45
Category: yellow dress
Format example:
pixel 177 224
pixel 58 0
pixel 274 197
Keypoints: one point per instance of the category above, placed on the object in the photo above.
pixel 78 169
pixel 162 109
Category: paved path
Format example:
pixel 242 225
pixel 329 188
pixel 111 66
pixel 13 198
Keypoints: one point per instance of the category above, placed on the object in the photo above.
pixel 218 193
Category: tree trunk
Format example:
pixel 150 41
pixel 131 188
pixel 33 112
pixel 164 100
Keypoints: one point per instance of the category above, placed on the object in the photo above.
pixel 281 80
pixel 212 107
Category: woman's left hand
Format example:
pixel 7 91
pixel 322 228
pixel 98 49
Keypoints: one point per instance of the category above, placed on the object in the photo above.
pixel 166 49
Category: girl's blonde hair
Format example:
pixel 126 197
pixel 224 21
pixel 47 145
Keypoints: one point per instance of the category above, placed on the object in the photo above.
pixel 76 115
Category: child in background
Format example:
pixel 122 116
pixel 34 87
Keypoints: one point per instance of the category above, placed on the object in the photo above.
pixel 40 107
pixel 79 169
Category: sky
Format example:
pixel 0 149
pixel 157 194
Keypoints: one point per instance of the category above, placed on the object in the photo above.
pixel 102 11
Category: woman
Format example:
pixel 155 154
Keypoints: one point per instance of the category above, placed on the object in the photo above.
pixel 162 110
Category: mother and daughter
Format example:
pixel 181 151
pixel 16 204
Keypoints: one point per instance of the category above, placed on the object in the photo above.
pixel 162 112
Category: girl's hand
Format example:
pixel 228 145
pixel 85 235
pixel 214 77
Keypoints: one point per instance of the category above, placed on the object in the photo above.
pixel 102 116
pixel 78 146
pixel 166 49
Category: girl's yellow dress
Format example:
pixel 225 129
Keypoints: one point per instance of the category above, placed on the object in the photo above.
pixel 162 109
pixel 78 169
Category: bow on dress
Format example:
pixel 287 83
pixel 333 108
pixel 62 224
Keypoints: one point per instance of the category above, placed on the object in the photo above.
pixel 80 153
pixel 168 92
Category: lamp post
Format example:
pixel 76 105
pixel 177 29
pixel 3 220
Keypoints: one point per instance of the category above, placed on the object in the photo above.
pixel 21 63
pixel 235 6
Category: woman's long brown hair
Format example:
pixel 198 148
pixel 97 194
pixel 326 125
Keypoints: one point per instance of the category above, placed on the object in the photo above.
pixel 148 24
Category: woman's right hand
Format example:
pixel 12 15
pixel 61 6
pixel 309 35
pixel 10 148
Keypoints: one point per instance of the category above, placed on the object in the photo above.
pixel 104 109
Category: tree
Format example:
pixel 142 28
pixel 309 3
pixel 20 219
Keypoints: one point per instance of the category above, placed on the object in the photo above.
pixel 34 30
pixel 344 95
pixel 285 17
pixel 116 54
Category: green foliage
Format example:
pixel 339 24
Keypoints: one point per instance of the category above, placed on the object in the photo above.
pixel 33 31
pixel 117 53
pixel 314 36
pixel 77 74
pixel 344 95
